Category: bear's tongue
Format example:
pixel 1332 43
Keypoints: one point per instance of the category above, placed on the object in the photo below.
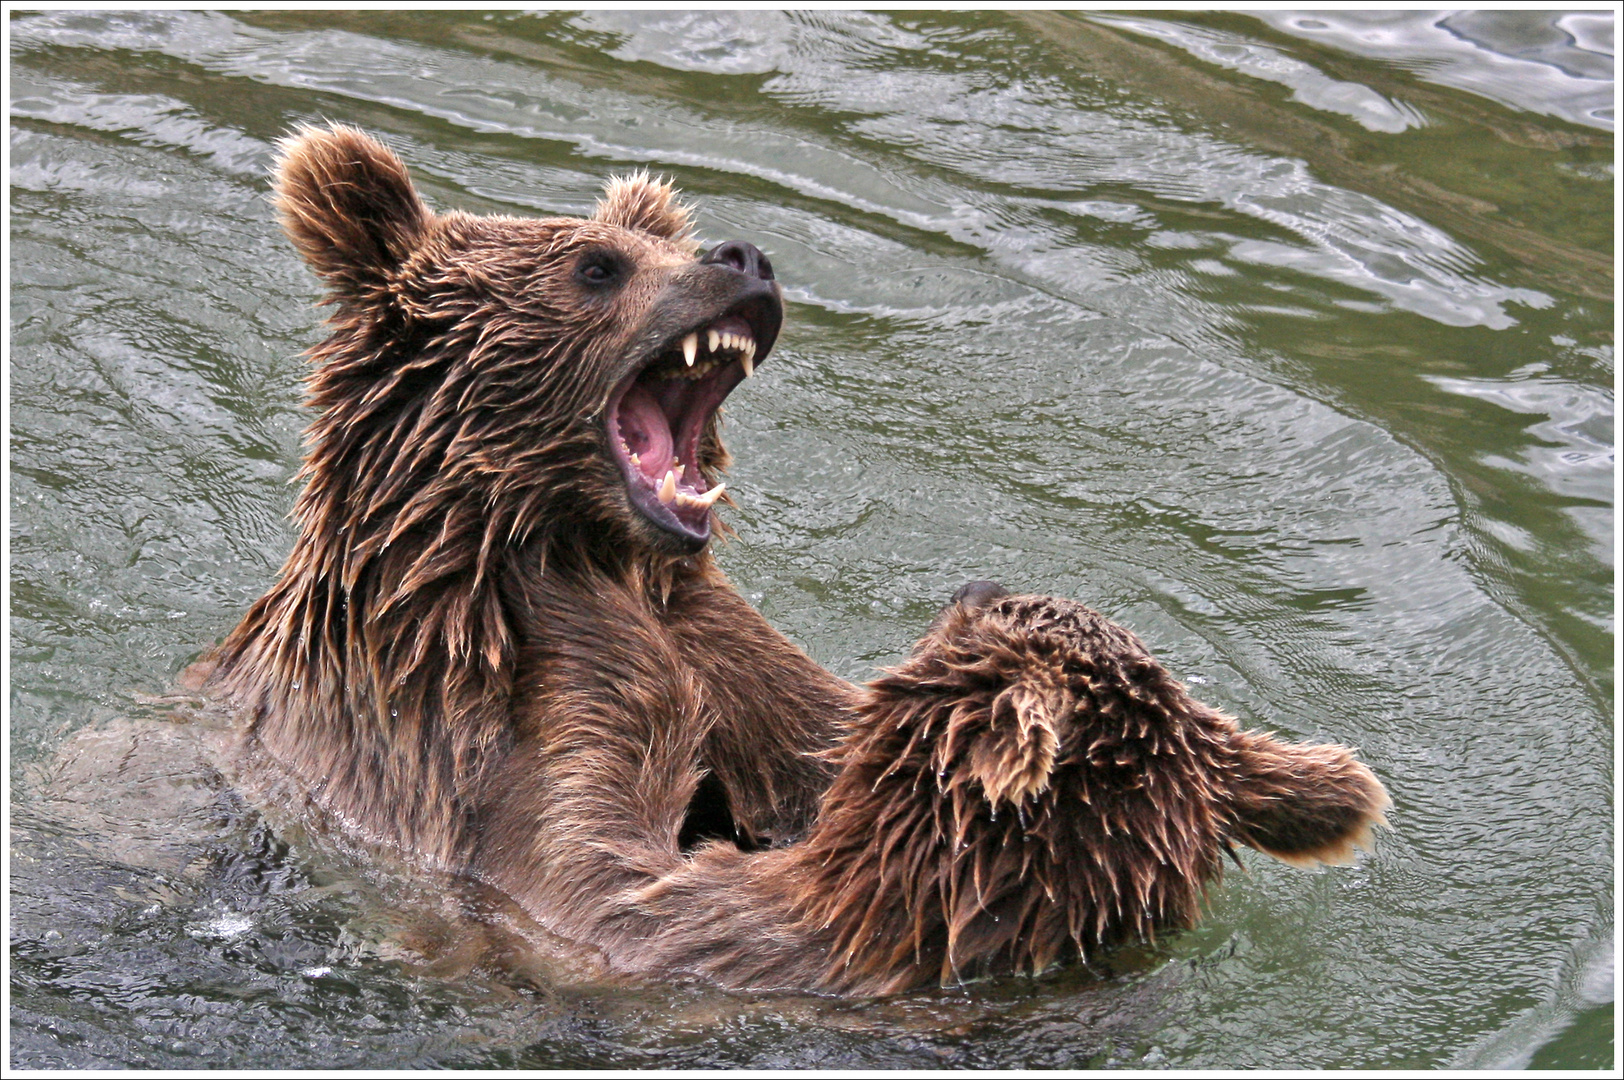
pixel 646 432
pixel 660 422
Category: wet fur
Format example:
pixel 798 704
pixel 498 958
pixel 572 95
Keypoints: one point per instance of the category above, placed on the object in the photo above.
pixel 480 653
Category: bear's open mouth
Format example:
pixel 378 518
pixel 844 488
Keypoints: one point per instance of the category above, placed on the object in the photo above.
pixel 658 418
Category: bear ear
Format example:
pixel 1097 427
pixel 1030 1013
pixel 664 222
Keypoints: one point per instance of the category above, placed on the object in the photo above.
pixel 1303 804
pixel 645 204
pixel 348 205
pixel 1015 756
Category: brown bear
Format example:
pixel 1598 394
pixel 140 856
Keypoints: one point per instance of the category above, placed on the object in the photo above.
pixel 502 645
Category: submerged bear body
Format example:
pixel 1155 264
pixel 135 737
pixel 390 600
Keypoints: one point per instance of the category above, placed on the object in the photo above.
pixel 501 643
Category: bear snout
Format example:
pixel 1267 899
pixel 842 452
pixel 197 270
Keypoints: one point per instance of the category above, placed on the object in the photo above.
pixel 746 258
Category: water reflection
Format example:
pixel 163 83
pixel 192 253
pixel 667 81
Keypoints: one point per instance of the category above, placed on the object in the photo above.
pixel 1308 84
pixel 1550 62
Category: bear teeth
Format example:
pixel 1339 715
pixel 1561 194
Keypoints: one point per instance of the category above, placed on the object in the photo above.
pixel 718 343
pixel 707 500
pixel 668 492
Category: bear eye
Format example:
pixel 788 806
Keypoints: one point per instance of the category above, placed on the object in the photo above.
pixel 600 269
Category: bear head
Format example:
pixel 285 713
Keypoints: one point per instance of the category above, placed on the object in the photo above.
pixel 488 367
pixel 1043 786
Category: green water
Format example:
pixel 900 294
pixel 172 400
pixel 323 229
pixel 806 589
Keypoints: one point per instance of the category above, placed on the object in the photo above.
pixel 1286 341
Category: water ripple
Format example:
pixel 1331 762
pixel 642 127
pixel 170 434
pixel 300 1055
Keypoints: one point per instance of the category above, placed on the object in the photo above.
pixel 1552 63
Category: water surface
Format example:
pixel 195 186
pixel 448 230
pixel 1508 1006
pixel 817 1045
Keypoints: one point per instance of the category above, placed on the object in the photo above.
pixel 1285 340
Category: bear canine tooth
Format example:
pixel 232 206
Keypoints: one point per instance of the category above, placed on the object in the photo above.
pixel 668 489
pixel 707 500
pixel 690 347
pixel 748 362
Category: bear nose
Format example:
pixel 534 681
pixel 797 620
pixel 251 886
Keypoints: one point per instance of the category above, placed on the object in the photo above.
pixel 743 257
